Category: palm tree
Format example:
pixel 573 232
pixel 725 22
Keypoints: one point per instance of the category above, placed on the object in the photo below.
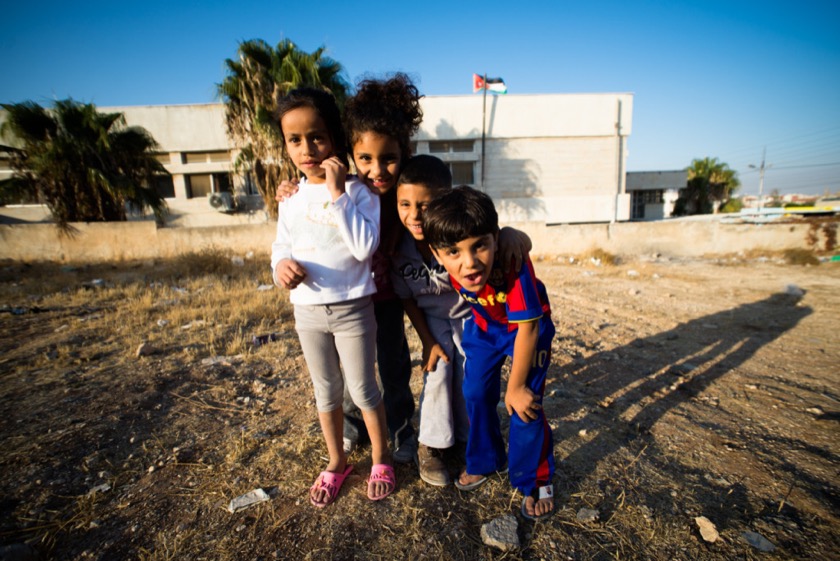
pixel 254 84
pixel 710 185
pixel 84 165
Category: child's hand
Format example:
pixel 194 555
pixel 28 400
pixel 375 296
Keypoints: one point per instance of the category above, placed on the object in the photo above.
pixel 336 176
pixel 431 356
pixel 286 189
pixel 524 402
pixel 289 273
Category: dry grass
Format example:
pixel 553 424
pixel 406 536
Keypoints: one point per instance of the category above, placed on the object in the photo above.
pixel 207 416
pixel 601 257
pixel 800 257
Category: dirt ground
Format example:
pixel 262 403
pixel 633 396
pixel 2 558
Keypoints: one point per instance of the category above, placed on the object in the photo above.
pixel 678 389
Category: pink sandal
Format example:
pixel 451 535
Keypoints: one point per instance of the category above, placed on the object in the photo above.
pixel 330 482
pixel 382 473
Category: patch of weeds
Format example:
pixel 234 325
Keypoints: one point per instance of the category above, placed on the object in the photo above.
pixel 800 257
pixel 207 261
pixel 602 257
pixel 822 228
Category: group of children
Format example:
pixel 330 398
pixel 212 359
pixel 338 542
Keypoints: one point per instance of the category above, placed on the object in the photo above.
pixel 357 251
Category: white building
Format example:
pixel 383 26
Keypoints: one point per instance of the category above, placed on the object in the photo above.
pixel 554 159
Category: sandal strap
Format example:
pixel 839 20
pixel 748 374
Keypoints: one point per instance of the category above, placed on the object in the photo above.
pixel 382 472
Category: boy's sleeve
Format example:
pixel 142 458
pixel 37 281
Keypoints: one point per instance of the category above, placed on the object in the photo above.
pixel 523 298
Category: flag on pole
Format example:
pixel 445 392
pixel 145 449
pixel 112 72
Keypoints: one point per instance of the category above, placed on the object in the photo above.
pixel 495 85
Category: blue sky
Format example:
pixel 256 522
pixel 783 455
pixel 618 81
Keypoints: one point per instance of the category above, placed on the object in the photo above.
pixel 718 79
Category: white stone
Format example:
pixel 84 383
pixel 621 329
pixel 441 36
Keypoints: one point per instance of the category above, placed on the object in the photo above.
pixel 707 529
pixel 588 515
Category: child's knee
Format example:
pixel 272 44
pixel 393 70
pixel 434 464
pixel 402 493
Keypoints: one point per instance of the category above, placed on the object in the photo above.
pixel 367 398
pixel 479 393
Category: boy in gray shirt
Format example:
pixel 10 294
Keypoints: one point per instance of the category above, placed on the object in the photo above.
pixel 437 312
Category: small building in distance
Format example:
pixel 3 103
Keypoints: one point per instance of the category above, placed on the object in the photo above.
pixel 653 193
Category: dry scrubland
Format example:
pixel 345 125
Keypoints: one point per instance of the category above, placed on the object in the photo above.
pixel 677 389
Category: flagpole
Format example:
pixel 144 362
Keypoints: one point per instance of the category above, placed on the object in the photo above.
pixel 483 128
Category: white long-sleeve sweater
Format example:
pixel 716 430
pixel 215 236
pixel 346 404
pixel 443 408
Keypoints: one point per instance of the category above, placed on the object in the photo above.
pixel 333 241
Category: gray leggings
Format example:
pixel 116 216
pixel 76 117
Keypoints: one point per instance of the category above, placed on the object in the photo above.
pixel 339 335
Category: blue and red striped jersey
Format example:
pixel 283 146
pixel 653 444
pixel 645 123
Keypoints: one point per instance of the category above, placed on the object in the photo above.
pixel 508 298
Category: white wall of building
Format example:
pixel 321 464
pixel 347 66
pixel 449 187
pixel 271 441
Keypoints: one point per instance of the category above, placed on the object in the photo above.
pixel 513 116
pixel 180 128
pixel 550 158
pixel 558 158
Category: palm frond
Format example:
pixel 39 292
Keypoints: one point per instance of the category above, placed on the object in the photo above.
pixel 256 79
pixel 83 164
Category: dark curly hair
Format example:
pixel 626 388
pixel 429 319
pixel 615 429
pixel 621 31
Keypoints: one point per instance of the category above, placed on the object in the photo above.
pixel 389 107
pixel 324 103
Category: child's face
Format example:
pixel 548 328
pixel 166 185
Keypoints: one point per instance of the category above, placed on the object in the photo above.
pixel 469 261
pixel 412 200
pixel 378 159
pixel 307 142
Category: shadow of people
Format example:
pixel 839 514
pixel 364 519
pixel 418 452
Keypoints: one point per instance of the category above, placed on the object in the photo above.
pixel 618 395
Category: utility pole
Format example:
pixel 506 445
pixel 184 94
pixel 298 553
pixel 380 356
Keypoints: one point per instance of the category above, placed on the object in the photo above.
pixel 619 164
pixel 761 180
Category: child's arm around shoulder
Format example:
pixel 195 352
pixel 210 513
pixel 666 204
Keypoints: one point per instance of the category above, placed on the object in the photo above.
pixel 518 397
pixel 514 247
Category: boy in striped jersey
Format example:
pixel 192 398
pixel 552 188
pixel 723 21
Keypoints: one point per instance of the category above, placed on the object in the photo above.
pixel 511 318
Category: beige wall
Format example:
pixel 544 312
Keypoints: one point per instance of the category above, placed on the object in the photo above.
pixel 675 238
pixel 143 240
pixel 194 128
pixel 96 242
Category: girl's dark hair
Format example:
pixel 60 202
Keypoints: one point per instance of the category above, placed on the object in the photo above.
pixel 458 214
pixel 390 107
pixel 324 103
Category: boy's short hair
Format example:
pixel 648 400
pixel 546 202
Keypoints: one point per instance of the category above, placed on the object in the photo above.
pixel 426 170
pixel 458 214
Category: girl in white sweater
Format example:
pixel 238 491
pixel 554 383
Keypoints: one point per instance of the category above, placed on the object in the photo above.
pixel 326 237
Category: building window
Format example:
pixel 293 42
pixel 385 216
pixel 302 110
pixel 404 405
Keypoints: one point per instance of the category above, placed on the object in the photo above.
pixel 641 198
pixel 164 186
pixel 203 184
pixel 460 156
pixel 222 183
pixel 163 158
pixel 450 146
pixel 205 157
pixel 463 173
pixel 249 185
pixel 198 185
